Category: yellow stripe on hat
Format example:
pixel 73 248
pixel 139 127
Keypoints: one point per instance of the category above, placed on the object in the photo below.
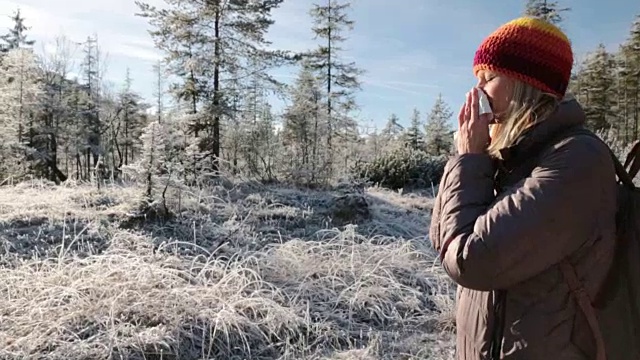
pixel 538 24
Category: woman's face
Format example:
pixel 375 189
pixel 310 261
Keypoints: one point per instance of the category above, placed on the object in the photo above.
pixel 499 89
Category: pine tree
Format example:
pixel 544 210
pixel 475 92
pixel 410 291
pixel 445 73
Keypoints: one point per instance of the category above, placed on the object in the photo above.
pixel 266 144
pixel 207 44
pixel 438 133
pixel 392 130
pixel 340 78
pixel 153 156
pixel 598 83
pixel 17 37
pixel 92 125
pixel 546 10
pixel 304 127
pixel 130 124
pixel 255 110
pixel 19 92
pixel 623 82
pixel 233 140
pixel 414 136
pixel 629 80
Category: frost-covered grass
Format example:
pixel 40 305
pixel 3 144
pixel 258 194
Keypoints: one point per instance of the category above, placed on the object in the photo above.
pixel 242 272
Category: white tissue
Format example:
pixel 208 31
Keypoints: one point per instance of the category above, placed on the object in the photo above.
pixel 485 107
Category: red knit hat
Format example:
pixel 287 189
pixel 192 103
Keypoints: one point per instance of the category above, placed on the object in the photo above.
pixel 531 50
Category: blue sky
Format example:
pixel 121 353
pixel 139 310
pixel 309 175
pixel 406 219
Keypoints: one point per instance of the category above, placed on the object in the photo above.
pixel 411 50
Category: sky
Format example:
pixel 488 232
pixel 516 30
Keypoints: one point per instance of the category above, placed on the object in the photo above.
pixel 411 50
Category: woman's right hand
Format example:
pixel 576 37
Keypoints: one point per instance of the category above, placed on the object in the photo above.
pixel 473 129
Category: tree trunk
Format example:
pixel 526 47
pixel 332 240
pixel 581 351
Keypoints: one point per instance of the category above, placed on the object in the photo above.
pixel 215 146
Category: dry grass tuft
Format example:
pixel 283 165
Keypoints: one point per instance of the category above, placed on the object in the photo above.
pixel 242 293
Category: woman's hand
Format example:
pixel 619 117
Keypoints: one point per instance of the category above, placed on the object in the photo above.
pixel 473 133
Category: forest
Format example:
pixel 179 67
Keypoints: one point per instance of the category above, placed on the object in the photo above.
pixel 211 114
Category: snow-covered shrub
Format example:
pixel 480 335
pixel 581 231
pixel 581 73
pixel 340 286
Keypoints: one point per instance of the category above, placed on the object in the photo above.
pixel 403 167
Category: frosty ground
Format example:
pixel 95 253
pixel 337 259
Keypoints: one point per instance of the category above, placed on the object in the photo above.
pixel 242 271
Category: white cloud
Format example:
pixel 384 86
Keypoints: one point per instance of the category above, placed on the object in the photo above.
pixel 148 53
pixel 292 30
pixel 399 86
pixel 122 36
pixel 119 31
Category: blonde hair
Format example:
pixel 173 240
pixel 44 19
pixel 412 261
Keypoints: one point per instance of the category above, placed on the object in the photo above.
pixel 528 106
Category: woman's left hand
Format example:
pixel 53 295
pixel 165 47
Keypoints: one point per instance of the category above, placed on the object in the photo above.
pixel 473 133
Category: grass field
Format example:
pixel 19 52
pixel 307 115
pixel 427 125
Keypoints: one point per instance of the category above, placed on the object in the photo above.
pixel 242 271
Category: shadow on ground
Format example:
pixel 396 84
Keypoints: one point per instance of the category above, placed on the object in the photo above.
pixel 251 216
pixel 42 238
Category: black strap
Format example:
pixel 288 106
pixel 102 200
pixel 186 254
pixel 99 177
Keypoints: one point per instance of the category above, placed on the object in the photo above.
pixel 633 160
pixel 499 312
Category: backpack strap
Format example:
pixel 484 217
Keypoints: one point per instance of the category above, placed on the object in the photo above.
pixel 582 298
pixel 633 160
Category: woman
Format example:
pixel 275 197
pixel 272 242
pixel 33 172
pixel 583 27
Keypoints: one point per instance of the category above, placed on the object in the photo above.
pixel 510 210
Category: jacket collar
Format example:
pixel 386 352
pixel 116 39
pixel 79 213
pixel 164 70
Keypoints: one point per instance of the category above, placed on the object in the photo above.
pixel 567 114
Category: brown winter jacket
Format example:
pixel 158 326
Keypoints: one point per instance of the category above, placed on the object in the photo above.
pixel 504 250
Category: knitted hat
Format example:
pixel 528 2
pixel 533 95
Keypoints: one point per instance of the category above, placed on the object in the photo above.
pixel 531 50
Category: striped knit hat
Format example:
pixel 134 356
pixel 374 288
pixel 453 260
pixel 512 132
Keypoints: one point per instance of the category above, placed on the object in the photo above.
pixel 531 50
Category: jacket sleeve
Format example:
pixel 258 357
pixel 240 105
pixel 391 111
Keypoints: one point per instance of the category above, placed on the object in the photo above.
pixel 477 170
pixel 489 242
